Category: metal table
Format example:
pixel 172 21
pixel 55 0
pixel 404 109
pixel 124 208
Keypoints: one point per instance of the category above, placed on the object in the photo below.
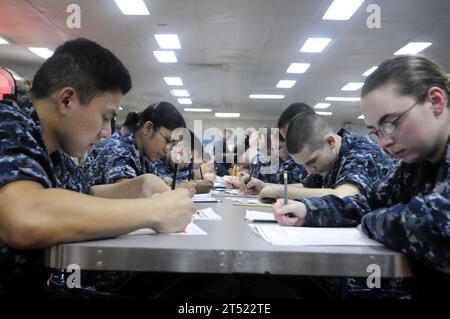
pixel 229 247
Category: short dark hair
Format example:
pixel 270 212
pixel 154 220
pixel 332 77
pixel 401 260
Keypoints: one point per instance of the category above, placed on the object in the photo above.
pixel 84 65
pixel 306 129
pixel 291 111
pixel 412 76
pixel 162 114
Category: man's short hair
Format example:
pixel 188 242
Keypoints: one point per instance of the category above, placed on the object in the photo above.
pixel 291 111
pixel 84 65
pixel 306 129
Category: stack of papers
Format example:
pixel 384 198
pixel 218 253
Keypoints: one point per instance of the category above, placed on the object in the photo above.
pixel 309 236
pixel 247 202
pixel 204 198
pixel 256 216
pixel 191 229
pixel 206 214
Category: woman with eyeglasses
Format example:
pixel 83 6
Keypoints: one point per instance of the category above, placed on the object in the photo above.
pixel 129 153
pixel 405 103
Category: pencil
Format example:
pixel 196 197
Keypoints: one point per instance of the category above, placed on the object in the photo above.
pixel 174 180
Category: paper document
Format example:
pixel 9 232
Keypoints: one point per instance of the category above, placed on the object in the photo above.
pixel 256 216
pixel 204 198
pixel 248 202
pixel 206 214
pixel 312 236
pixel 191 229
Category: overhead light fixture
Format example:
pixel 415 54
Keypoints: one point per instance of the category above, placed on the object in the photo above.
pixel 174 81
pixel 190 109
pixel 286 84
pixel 165 56
pixel 370 71
pixel 413 48
pixel 322 105
pixel 227 114
pixel 120 108
pixel 168 41
pixel 342 99
pixel 41 52
pixel 181 93
pixel 298 68
pixel 361 117
pixel 324 113
pixel 352 86
pixel 184 101
pixel 132 7
pixel 342 9
pixel 315 45
pixel 266 96
pixel 3 41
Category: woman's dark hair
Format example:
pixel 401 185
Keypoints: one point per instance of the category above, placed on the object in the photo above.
pixel 412 75
pixel 162 114
pixel 84 65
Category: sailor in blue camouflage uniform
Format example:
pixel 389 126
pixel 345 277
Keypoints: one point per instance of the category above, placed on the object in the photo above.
pixel 75 94
pixel 406 105
pixel 131 153
pixel 23 156
pixel 115 158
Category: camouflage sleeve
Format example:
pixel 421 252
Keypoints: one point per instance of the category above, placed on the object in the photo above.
pixel 420 228
pixel 21 155
pixel 184 174
pixel 332 211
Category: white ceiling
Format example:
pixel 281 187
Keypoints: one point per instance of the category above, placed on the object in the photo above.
pixel 253 40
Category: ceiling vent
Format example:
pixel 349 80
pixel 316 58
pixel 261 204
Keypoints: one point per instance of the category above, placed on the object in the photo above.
pixel 212 66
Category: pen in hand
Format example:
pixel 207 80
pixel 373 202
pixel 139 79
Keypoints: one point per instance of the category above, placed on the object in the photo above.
pixel 286 201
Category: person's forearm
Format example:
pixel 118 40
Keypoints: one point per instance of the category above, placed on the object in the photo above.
pixel 126 188
pixel 49 216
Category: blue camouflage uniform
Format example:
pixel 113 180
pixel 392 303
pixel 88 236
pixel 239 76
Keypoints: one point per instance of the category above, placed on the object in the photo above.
pixel 263 171
pixel 115 158
pixel 162 170
pixel 360 162
pixel 24 156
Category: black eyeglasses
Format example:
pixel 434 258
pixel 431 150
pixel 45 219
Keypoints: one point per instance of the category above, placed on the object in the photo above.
pixel 388 128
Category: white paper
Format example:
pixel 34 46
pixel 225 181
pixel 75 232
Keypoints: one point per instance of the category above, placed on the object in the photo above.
pixel 204 198
pixel 257 216
pixel 191 229
pixel 206 214
pixel 312 236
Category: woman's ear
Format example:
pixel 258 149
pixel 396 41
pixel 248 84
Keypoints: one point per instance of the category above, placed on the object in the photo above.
pixel 148 128
pixel 438 101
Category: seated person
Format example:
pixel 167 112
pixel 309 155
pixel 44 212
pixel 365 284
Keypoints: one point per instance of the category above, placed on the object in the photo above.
pixel 44 198
pixel 405 103
pixel 128 156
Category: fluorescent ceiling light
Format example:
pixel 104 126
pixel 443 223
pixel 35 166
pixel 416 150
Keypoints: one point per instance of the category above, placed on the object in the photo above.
pixel 168 41
pixel 322 105
pixel 325 113
pixel 180 92
pixel 175 81
pixel 285 84
pixel 352 86
pixel 42 52
pixel 132 7
pixel 315 45
pixel 342 9
pixel 3 41
pixel 120 108
pixel 184 101
pixel 361 117
pixel 413 48
pixel 342 99
pixel 165 56
pixel 370 71
pixel 266 96
pixel 227 114
pixel 298 67
pixel 189 109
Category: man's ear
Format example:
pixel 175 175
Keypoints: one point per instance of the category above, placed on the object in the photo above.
pixel 437 98
pixel 64 99
pixel 330 140
pixel 148 128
